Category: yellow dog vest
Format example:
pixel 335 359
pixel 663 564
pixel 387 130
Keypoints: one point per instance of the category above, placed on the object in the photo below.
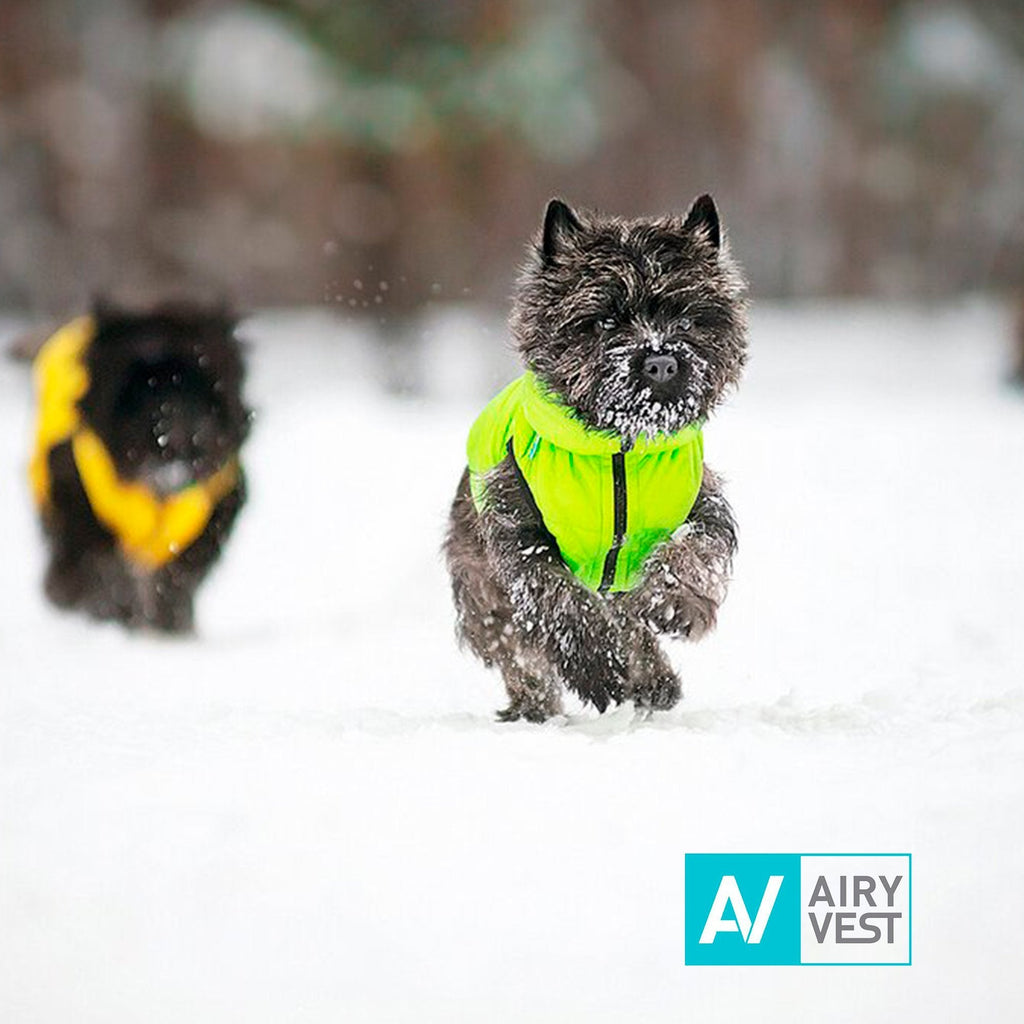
pixel 151 530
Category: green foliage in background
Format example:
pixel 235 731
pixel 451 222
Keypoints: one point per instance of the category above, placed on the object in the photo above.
pixel 397 76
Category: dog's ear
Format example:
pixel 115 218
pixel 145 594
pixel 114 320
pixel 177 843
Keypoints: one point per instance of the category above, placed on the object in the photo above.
pixel 223 313
pixel 560 226
pixel 104 309
pixel 703 220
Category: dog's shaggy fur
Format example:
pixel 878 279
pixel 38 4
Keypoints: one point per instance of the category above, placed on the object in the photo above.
pixel 165 398
pixel 599 296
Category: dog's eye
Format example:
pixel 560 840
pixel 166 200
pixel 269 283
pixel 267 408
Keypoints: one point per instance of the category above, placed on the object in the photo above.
pixel 609 323
pixel 686 324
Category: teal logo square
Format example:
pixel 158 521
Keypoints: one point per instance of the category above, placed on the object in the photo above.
pixel 742 908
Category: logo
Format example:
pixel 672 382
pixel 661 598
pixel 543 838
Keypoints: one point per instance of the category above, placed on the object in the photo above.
pixel 792 908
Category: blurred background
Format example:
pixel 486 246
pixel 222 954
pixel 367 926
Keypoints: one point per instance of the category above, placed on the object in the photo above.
pixel 382 155
pixel 308 813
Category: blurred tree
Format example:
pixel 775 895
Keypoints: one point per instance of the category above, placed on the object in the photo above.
pixel 379 155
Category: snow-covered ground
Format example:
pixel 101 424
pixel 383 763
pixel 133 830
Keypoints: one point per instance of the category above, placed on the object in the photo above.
pixel 309 813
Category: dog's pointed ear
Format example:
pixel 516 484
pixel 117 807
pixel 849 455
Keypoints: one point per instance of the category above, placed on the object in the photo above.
pixel 223 312
pixel 104 309
pixel 560 225
pixel 703 220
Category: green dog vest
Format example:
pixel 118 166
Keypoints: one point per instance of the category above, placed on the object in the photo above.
pixel 607 509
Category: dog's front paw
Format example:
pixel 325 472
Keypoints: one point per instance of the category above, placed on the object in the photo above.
pixel 596 672
pixel 696 616
pixel 658 692
pixel 682 612
pixel 530 698
pixel 653 683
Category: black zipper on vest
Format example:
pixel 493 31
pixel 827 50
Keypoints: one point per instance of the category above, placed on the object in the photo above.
pixel 619 493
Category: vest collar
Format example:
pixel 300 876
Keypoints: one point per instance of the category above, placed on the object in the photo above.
pixel 556 423
pixel 152 530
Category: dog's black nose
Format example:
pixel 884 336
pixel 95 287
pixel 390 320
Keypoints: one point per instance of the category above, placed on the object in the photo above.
pixel 661 368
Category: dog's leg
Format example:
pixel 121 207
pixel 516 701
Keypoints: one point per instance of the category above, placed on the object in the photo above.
pixel 686 578
pixel 85 570
pixel 94 580
pixel 484 619
pixel 113 593
pixel 557 619
pixel 653 682
pixel 165 601
pixel 533 696
pixel 169 593
pixel 64 583
pixel 70 529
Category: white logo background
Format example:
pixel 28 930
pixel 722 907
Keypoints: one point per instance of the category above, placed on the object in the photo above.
pixel 834 870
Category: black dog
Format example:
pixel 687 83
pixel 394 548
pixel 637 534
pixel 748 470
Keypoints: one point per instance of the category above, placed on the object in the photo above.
pixel 136 468
pixel 586 523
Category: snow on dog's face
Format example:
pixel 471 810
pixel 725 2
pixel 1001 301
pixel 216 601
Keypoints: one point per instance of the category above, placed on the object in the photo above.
pixel 637 325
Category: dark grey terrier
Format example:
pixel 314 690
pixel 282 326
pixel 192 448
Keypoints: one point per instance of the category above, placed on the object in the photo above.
pixel 586 523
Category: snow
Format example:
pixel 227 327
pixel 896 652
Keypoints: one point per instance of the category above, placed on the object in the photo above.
pixel 310 814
